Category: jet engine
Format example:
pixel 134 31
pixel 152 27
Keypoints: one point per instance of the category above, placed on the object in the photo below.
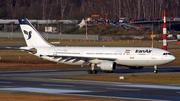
pixel 107 65
pixel 136 67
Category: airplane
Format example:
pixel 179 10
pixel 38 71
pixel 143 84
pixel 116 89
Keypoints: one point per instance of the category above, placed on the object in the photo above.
pixel 105 58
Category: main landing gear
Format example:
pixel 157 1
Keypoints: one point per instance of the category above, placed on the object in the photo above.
pixel 155 69
pixel 109 71
pixel 92 71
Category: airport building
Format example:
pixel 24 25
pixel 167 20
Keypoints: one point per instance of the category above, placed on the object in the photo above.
pixel 51 26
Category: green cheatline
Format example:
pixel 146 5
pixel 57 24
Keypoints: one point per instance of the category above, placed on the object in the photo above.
pixel 127 51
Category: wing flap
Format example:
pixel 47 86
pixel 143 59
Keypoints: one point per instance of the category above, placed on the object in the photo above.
pixel 77 58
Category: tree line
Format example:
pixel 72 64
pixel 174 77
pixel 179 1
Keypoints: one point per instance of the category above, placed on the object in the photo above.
pixel 78 9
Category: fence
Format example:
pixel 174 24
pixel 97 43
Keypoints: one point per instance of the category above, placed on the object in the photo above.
pixel 78 37
pixel 52 36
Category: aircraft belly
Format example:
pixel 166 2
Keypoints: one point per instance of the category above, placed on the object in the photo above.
pixel 140 62
pixel 132 62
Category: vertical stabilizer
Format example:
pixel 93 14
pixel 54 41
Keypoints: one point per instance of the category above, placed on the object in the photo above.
pixel 31 35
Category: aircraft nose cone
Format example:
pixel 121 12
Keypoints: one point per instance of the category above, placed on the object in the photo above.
pixel 172 58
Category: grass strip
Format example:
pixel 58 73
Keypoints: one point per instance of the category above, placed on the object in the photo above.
pixel 154 79
pixel 25 97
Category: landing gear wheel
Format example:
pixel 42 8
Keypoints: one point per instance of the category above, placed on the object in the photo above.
pixel 108 71
pixel 92 71
pixel 155 71
pixel 89 71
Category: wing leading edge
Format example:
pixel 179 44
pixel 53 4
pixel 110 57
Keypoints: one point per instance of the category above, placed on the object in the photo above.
pixel 75 59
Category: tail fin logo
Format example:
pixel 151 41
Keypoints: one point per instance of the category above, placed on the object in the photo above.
pixel 28 33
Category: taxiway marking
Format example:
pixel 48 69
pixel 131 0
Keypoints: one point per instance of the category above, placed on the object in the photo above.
pixel 124 89
pixel 5 82
pixel 57 85
pixel 152 86
pixel 43 90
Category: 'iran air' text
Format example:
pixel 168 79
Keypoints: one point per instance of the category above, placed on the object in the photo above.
pixel 143 51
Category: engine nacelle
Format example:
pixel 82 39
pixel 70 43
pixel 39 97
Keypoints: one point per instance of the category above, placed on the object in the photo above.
pixel 107 65
pixel 136 67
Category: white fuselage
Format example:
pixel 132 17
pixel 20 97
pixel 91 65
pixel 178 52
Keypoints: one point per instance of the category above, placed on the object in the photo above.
pixel 105 58
pixel 128 56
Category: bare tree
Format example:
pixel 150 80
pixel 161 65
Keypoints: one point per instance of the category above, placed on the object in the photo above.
pixel 119 10
pixel 139 8
pixel 47 9
pixel 63 5
pixel 44 8
pixel 144 5
pixel 51 9
pixel 176 2
pixel 9 7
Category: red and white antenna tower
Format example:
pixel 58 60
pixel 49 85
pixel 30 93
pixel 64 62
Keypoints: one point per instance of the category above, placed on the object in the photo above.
pixel 164 33
pixel 86 32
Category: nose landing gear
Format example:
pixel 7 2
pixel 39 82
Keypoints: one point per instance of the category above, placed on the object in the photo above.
pixel 155 69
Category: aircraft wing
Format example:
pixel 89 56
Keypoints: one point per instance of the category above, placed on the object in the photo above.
pixel 78 58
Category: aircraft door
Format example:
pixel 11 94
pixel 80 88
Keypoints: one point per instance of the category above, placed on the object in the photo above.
pixel 132 54
pixel 82 53
pixel 153 54
pixel 52 51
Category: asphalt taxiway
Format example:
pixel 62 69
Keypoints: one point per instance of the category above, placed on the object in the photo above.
pixel 50 82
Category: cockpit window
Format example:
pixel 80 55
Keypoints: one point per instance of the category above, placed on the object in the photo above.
pixel 166 53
